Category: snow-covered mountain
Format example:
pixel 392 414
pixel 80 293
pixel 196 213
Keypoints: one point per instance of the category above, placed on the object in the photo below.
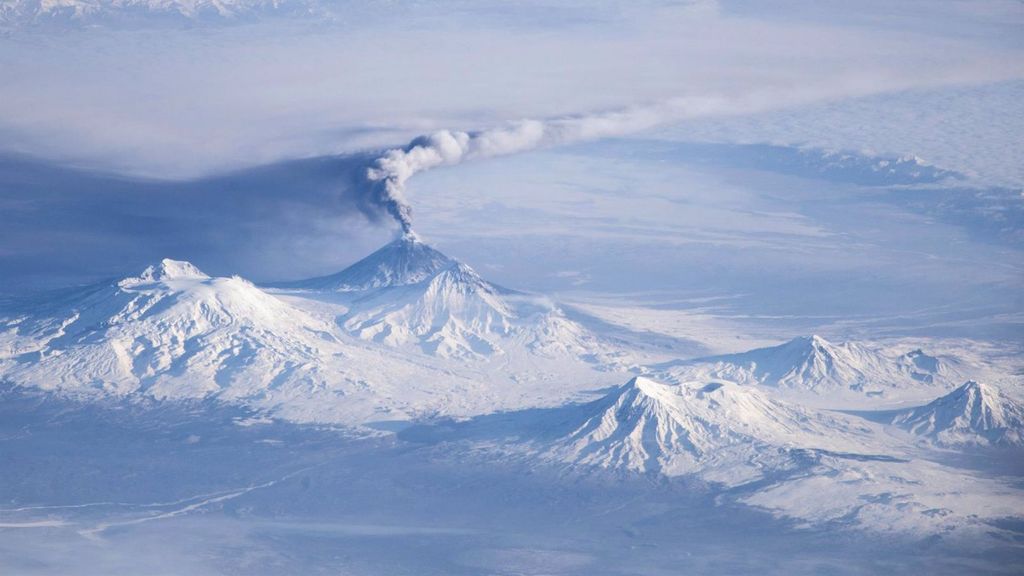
pixel 409 294
pixel 813 364
pixel 174 333
pixel 814 466
pixel 406 260
pixel 68 12
pixel 722 431
pixel 171 331
pixel 973 414
pixel 452 313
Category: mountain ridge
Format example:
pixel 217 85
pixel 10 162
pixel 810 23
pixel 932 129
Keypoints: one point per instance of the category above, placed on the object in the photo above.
pixel 972 414
pixel 816 365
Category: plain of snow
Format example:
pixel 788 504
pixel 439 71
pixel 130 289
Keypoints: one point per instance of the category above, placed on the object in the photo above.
pixel 411 341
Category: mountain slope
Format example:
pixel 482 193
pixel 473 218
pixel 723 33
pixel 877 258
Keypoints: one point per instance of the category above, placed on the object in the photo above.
pixel 453 313
pixel 404 261
pixel 409 294
pixel 973 414
pixel 170 331
pixel 723 432
pixel 813 364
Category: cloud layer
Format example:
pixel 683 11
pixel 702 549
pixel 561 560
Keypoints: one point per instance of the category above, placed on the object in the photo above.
pixel 184 103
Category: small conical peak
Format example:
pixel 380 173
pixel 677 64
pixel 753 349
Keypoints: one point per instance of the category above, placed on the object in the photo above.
pixel 971 388
pixel 168 269
pixel 644 385
pixel 811 343
pixel 403 261
pixel 815 340
pixel 967 395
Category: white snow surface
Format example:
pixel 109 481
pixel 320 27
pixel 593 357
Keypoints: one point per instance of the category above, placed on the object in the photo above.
pixel 172 332
pixel 407 260
pixel 973 414
pixel 14 12
pixel 409 295
pixel 728 433
pixel 411 336
pixel 831 372
pixel 809 465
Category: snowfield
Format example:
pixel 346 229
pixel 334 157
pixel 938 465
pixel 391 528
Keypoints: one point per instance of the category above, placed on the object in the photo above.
pixel 412 341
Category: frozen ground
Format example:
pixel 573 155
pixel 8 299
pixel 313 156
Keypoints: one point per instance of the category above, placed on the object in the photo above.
pixel 163 490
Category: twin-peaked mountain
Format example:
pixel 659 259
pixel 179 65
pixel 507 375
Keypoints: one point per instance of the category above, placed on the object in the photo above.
pixel 174 332
pixel 812 364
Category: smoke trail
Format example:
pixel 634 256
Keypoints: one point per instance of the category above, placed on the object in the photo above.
pixel 389 173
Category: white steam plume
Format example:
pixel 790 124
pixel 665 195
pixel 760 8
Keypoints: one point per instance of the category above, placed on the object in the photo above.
pixel 390 172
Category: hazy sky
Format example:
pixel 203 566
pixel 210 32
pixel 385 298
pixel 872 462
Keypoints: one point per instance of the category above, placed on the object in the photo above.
pixel 166 101
pixel 124 144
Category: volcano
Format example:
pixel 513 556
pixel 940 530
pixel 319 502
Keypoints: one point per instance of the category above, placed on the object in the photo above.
pixel 725 432
pixel 973 414
pixel 406 260
pixel 171 331
pixel 408 294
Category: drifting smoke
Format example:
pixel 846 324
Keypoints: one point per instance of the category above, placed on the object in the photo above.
pixel 390 172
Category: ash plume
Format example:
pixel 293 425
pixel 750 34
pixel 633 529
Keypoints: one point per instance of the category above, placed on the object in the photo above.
pixel 389 173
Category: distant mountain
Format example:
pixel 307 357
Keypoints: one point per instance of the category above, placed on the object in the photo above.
pixel 408 293
pixel 723 432
pixel 95 12
pixel 814 364
pixel 973 414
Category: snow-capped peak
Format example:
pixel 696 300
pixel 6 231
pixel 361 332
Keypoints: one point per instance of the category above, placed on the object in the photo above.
pixel 727 432
pixel 454 312
pixel 93 12
pixel 974 413
pixel 812 363
pixel 171 331
pixel 407 260
pixel 168 269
